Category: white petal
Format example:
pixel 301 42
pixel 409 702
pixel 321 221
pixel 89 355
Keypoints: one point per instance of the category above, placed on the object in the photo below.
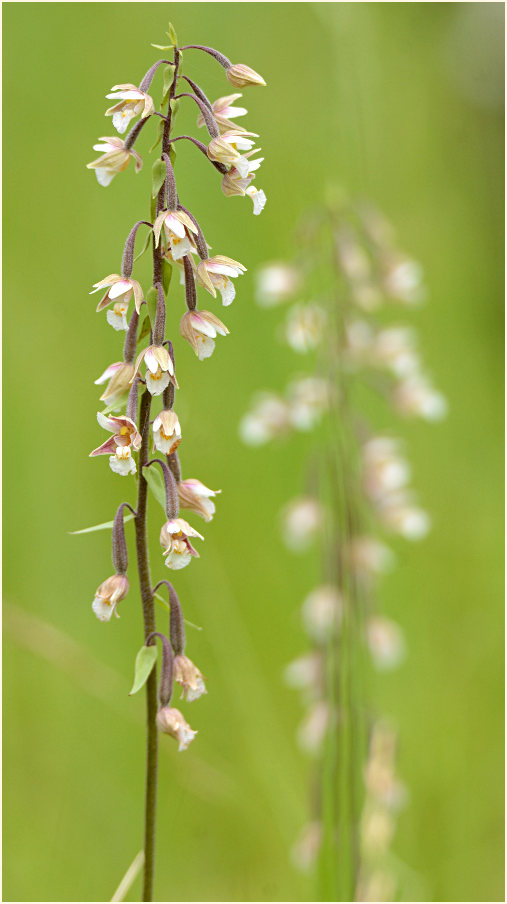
pixel 205 347
pixel 122 466
pixel 117 321
pixel 228 292
pixel 157 386
pixel 177 560
pixel 102 609
pixel 173 224
pixel 104 175
pixel 121 287
pixel 180 247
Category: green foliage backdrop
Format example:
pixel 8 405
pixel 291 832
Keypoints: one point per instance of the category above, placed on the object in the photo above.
pixel 398 102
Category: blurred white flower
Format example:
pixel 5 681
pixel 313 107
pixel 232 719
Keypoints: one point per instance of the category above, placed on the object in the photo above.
pixel 268 418
pixel 385 642
pixel 302 521
pixel 384 469
pixel 304 327
pixel 276 283
pixel 398 514
pixel 308 398
pixel 416 396
pixel 312 730
pixel 305 850
pixel 322 612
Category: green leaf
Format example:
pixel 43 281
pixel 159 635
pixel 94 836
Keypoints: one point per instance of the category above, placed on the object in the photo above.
pixel 145 246
pixel 107 525
pixel 145 660
pixel 172 154
pixel 145 329
pixel 163 46
pixel 167 606
pixel 167 272
pixel 151 301
pixel 158 177
pixel 171 34
pixel 155 482
pixel 168 80
pixel 153 209
pixel 159 139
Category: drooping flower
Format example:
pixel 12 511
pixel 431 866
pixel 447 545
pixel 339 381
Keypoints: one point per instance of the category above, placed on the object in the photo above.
pixel 242 76
pixel 200 328
pixel 171 722
pixel 189 677
pixel 159 368
pixel 196 497
pixel 233 183
pixel 175 542
pixel 119 376
pixel 384 468
pixel 223 111
pixel 132 103
pixel 114 159
pixel 166 432
pixel 398 513
pixel 108 595
pixel 216 272
pixel 313 729
pixel 179 229
pixel 125 439
pixel 119 290
pixel 227 147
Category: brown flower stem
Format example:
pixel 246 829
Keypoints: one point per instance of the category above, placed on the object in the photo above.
pixel 143 567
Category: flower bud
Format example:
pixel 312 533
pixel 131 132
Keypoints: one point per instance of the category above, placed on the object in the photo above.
pixel 189 677
pixel 108 595
pixel 119 384
pixel 242 76
pixel 195 497
pixel 171 722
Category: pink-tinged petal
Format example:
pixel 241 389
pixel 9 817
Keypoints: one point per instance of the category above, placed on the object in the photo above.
pixel 133 94
pixel 151 361
pixel 163 357
pixel 138 363
pixel 104 302
pixel 108 373
pixel 121 421
pixel 106 422
pixel 107 448
pixel 157 226
pixel 173 224
pixel 120 288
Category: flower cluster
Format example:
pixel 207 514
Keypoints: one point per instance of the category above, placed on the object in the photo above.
pixel 359 474
pixel 148 373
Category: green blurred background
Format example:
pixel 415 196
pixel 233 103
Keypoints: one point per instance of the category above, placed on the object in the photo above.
pixel 398 102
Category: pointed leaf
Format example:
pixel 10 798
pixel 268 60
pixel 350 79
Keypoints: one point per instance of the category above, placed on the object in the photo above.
pixel 163 46
pixel 155 482
pixel 157 177
pixel 167 272
pixel 145 660
pixel 107 525
pixel 167 606
pixel 168 80
pixel 145 246
pixel 159 139
pixel 171 34
pixel 151 301
pixel 145 329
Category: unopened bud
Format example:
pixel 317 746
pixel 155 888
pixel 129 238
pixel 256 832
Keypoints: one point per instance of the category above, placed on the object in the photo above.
pixel 242 76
